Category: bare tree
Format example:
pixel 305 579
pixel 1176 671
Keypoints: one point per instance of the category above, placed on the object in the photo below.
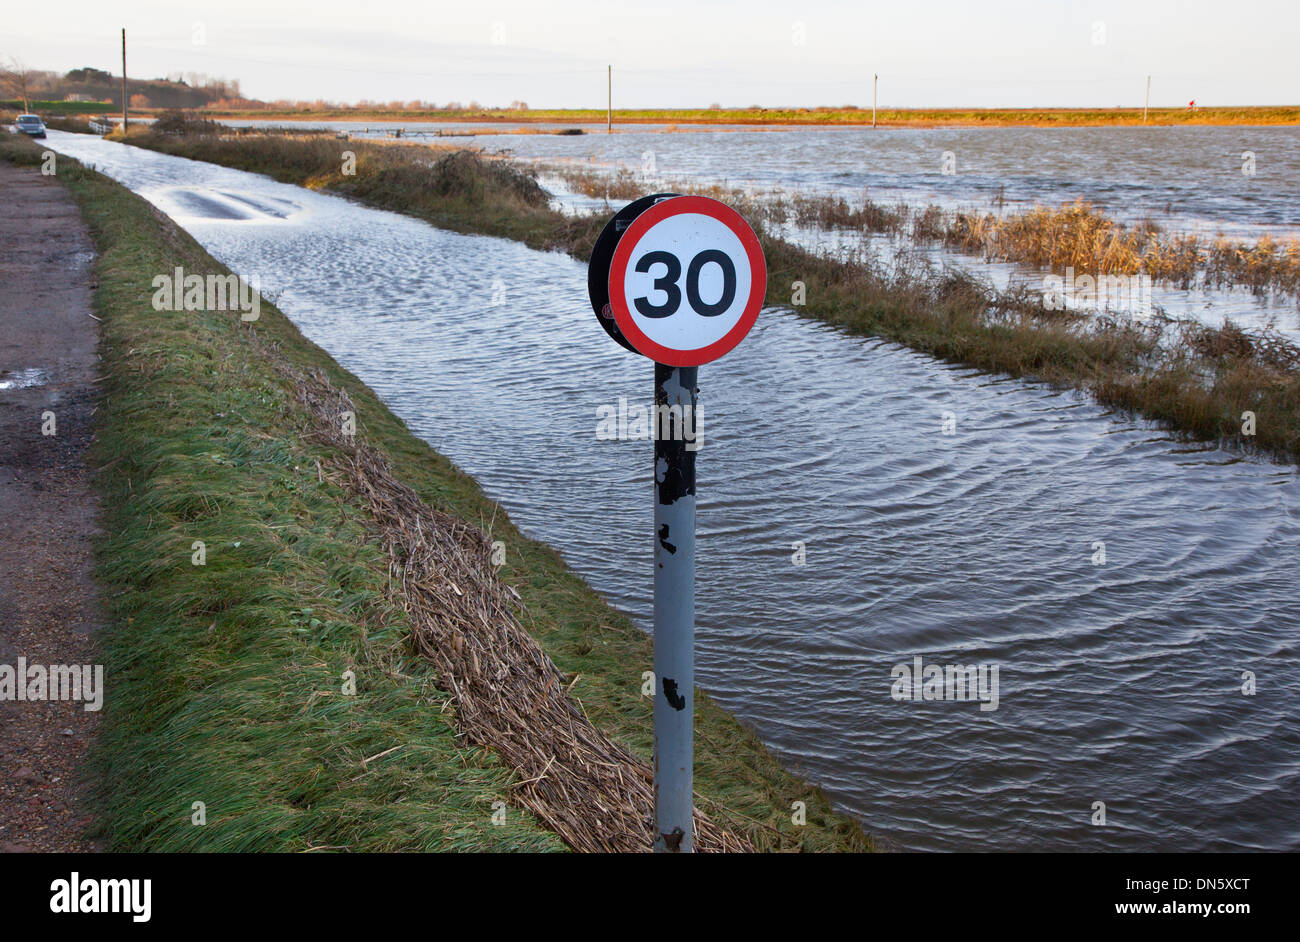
pixel 17 79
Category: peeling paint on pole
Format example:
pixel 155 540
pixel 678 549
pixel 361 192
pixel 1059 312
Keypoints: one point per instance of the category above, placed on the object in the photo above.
pixel 679 279
pixel 674 608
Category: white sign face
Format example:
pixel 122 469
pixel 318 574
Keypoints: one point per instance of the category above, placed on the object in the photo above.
pixel 687 281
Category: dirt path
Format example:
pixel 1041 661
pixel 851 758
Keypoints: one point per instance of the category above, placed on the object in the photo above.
pixel 49 604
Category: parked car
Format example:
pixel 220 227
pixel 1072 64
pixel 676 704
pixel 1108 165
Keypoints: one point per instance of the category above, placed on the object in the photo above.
pixel 30 124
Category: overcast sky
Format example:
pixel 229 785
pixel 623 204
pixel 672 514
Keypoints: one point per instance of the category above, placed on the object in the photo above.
pixel 984 53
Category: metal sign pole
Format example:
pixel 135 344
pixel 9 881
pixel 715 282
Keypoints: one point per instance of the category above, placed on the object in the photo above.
pixel 641 299
pixel 674 607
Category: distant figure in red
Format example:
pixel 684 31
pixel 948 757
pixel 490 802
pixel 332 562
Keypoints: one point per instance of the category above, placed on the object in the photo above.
pixel 1191 105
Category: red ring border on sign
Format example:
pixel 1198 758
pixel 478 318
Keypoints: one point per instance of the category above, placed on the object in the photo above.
pixel 678 205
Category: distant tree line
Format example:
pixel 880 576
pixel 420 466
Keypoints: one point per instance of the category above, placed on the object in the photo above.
pixel 189 90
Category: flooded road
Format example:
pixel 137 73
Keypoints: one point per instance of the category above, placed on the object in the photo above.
pixel 861 506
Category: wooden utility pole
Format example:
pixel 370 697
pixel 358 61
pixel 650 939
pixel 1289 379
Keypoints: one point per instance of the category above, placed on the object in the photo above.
pixel 875 79
pixel 123 79
pixel 609 100
pixel 1146 104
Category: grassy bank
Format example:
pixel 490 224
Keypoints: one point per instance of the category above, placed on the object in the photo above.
pixel 1200 380
pixel 226 680
pixel 816 117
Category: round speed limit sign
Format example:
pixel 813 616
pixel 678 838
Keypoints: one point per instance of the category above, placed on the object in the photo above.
pixel 687 280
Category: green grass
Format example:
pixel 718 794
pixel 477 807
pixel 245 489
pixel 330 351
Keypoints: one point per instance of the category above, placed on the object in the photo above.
pixel 43 108
pixel 225 680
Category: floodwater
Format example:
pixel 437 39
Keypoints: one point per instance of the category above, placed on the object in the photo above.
pixel 1188 177
pixel 1236 181
pixel 1126 587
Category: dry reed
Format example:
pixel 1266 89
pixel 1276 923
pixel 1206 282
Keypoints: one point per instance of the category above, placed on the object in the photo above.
pixel 508 695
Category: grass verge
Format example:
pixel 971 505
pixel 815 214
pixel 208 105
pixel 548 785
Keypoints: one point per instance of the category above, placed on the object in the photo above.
pixel 226 681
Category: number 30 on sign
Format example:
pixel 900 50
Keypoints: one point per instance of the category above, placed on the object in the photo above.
pixel 686 280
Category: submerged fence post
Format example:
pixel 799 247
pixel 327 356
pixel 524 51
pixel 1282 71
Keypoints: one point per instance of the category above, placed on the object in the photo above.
pixel 674 606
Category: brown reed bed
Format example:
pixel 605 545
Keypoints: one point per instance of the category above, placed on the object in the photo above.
pixel 618 184
pixel 1076 235
pixel 1080 236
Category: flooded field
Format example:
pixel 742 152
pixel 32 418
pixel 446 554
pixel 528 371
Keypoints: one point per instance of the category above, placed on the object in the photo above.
pixel 1192 176
pixel 1235 181
pixel 861 506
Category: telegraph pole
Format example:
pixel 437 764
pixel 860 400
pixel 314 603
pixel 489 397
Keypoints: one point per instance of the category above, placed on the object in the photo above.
pixel 123 79
pixel 609 99
pixel 874 80
pixel 1146 104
